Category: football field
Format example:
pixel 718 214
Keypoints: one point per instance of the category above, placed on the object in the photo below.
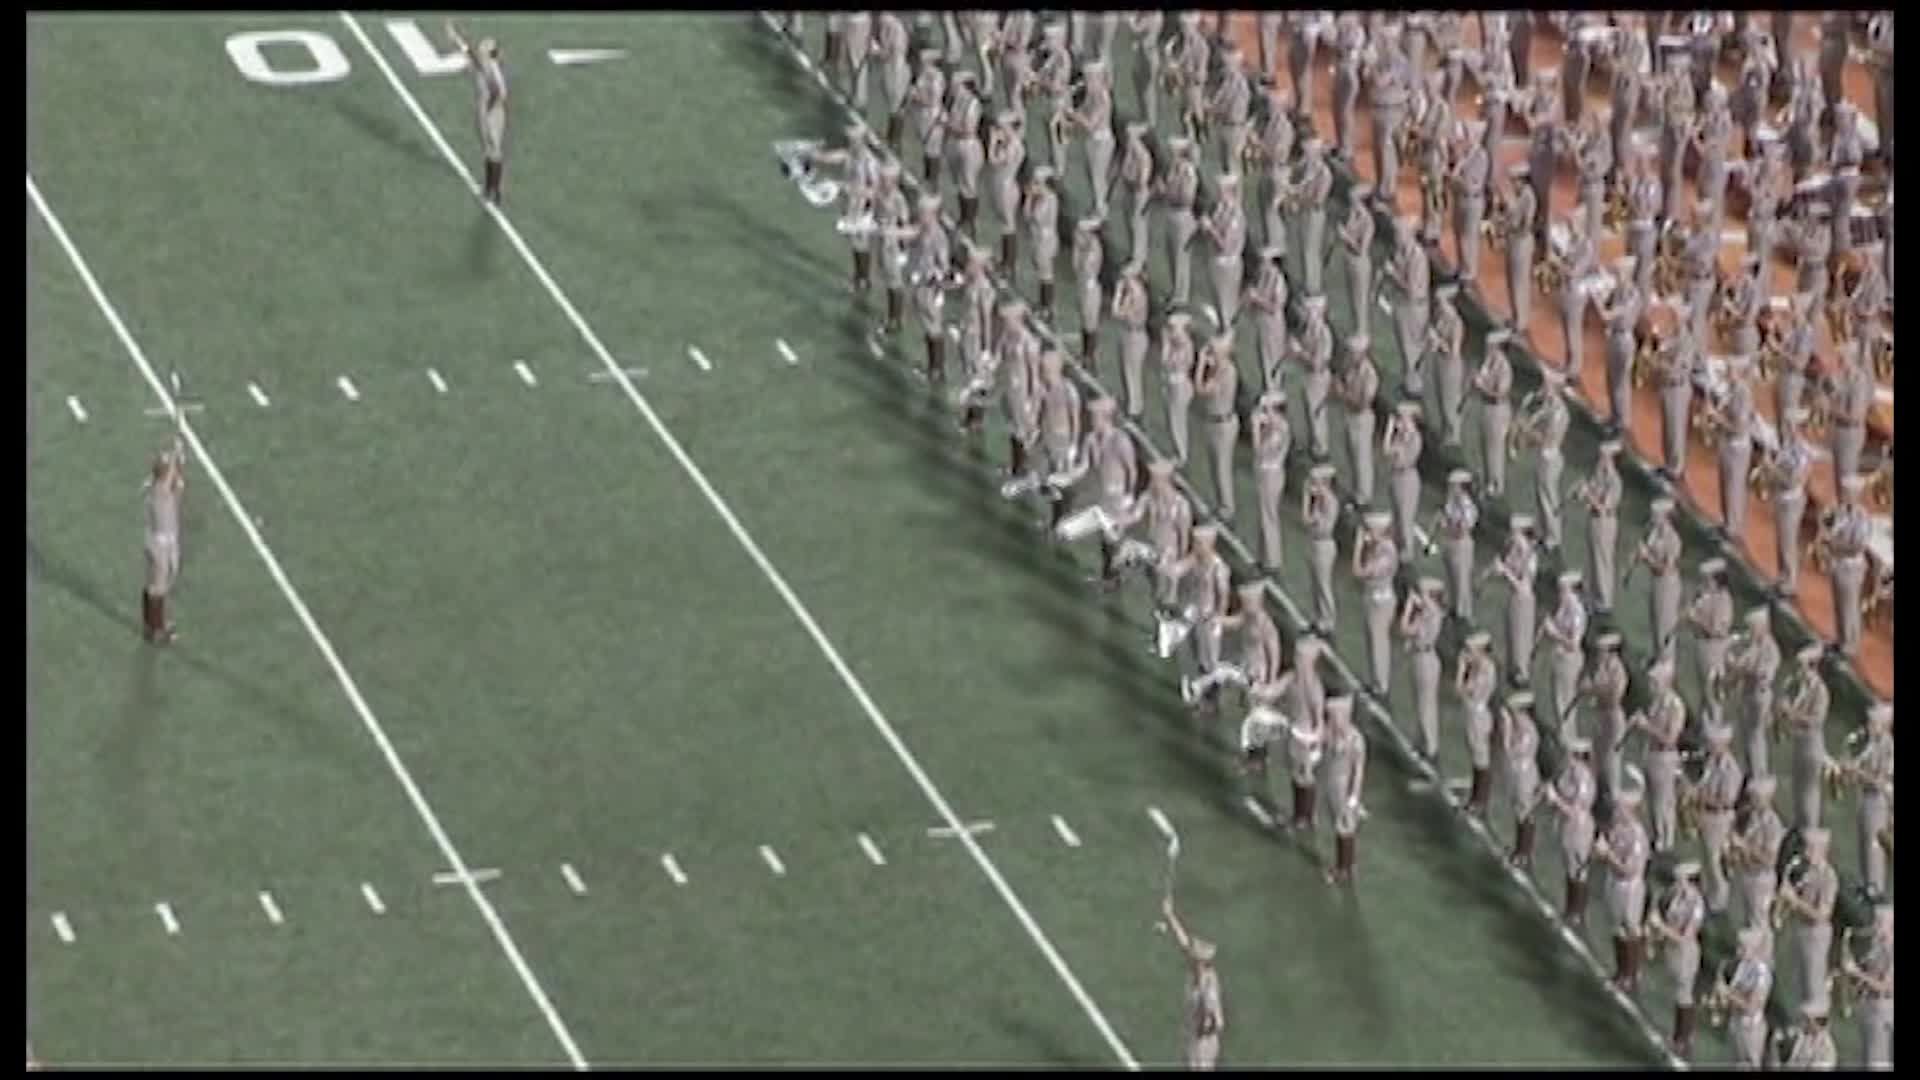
pixel 596 647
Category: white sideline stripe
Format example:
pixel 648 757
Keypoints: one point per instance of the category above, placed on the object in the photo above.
pixel 62 927
pixel 1648 1030
pixel 272 909
pixel 373 898
pixel 1160 822
pixel 699 358
pixel 573 879
pixel 873 850
pixel 259 395
pixel 1259 812
pixel 874 348
pixel 1067 835
pixel 346 388
pixel 165 911
pixel 525 372
pixel 672 866
pixel 79 411
pixel 946 832
pixel 439 384
pixel 759 557
pixel 786 351
pixel 347 685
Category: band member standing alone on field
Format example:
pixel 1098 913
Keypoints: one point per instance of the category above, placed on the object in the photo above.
pixel 163 490
pixel 490 101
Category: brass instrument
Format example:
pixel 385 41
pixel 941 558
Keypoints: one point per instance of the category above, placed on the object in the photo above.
pixel 1880 355
pixel 1522 433
pixel 1688 810
pixel 1616 209
pixel 1493 227
pixel 1785 892
pixel 1774 325
pixel 1781 721
pixel 1719 1001
pixel 1550 272
pixel 1669 268
pixel 1710 419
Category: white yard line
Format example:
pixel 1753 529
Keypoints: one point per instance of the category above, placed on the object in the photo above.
pixel 439 384
pixel 62 927
pixel 672 867
pixel 478 875
pixel 167 921
pixel 373 898
pixel 347 389
pixel 259 395
pixel 1259 812
pixel 272 909
pixel 873 850
pixel 320 640
pixel 1067 835
pixel 800 612
pixel 699 358
pixel 526 373
pixel 573 879
pixel 786 351
pixel 948 832
pixel 79 411
pixel 772 859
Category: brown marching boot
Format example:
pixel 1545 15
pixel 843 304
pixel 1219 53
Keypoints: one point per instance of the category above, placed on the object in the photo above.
pixel 1090 349
pixel 930 168
pixel 1057 511
pixel 1522 855
pixel 1046 300
pixel 1622 962
pixel 1683 1030
pixel 1576 902
pixel 896 303
pixel 1343 857
pixel 894 123
pixel 860 283
pixel 1636 952
pixel 1477 798
pixel 1302 806
pixel 936 360
pixel 1017 466
pixel 146 615
pixel 969 210
pixel 1109 577
pixel 1009 251
pixel 973 420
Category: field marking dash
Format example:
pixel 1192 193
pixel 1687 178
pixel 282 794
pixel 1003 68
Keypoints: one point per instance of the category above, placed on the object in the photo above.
pixel 525 372
pixel 165 911
pixel 62 927
pixel 272 909
pixel 699 358
pixel 373 898
pixel 873 850
pixel 972 828
pixel 1259 812
pixel 79 411
pixel 603 375
pixel 259 395
pixel 672 866
pixel 439 384
pixel 1067 835
pixel 786 351
pixel 475 876
pixel 773 860
pixel 347 388
pixel 573 879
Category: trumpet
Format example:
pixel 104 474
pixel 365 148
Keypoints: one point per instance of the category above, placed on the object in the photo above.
pixel 1784 895
pixel 1718 1003
pixel 1550 273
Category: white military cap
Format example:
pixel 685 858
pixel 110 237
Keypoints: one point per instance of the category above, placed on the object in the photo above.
pixel 1520 701
pixel 1662 666
pixel 1314 303
pixel 1361 192
pixel 1340 705
pixel 1880 714
pixel 1811 652
pixel 1713 567
pixel 1816 839
pixel 890 170
pixel 1054 30
pixel 1719 734
pixel 1307 643
pixel 1432 585
pixel 1761 786
pixel 929 204
pixel 1044 174
pixel 1189 18
pixel 1229 180
pixel 1460 477
pixel 1322 471
pixel 1661 506
pixel 1798 415
pixel 1519 168
pixel 1854 484
pixel 1095 66
pixel 1007 118
pixel 1499 337
pixel 1521 522
pixel 1137 128
pixel 1813 1009
pixel 856 132
pixel 1314 146
pixel 1688 869
pixel 977 256
pixel 1100 406
pixel 1409 407
pixel 1623 265
pixel 1204 950
pixel 1740 363
pixel 1447 291
pixel 1251 593
pixel 963 77
pixel 1579 744
pixel 1377 520
pixel 1357 343
pixel 1610 447
pixel 1273 397
pixel 1180 319
pixel 1160 469
pixel 1753 938
pixel 1608 640
pixel 1012 308
pixel 1180 144
pixel 1207 533
pixel 1231 55
pixel 1570 579
pixel 1272 253
pixel 930 57
pixel 1091 224
pixel 1759 615
pixel 1479 639
pixel 1553 377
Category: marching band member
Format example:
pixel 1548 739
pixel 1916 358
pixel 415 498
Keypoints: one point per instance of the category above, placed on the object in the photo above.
pixel 1421 621
pixel 1401 444
pixel 1374 564
pixel 1475 679
pixel 1674 929
pixel 1571 795
pixel 1346 771
pixel 1802 712
pixel 1520 748
pixel 1710 617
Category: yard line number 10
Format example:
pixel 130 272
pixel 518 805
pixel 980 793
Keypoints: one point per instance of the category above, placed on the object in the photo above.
pixel 323 60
